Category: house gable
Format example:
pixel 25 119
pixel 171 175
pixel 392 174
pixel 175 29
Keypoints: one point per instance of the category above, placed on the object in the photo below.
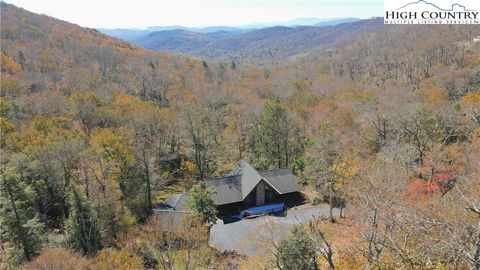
pixel 266 185
pixel 244 180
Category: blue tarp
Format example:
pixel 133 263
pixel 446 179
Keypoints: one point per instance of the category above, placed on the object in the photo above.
pixel 265 209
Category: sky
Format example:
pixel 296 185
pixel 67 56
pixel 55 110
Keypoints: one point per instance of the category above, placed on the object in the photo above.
pixel 195 13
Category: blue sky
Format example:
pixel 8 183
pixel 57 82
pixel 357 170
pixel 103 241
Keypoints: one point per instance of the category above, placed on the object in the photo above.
pixel 143 13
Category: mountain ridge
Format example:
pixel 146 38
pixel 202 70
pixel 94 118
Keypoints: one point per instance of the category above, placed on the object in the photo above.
pixel 130 34
pixel 272 43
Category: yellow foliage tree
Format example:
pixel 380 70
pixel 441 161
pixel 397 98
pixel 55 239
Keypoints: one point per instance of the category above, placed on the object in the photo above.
pixel 110 259
pixel 57 259
pixel 8 64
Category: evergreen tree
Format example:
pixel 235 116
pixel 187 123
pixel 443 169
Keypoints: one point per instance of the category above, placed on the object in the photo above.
pixel 201 202
pixel 20 227
pixel 297 251
pixel 302 249
pixel 82 227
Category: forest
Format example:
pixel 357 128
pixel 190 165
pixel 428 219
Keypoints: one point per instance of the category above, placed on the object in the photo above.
pixel 95 132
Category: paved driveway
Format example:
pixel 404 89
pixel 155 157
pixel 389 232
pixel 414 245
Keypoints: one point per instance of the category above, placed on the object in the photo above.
pixel 251 236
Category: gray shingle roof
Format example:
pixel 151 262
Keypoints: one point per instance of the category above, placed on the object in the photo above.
pixel 250 177
pixel 228 189
pixel 282 179
pixel 240 182
pixel 174 202
pixel 172 212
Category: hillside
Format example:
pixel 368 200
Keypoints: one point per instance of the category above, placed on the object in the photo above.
pixel 380 120
pixel 41 53
pixel 264 45
pixel 19 24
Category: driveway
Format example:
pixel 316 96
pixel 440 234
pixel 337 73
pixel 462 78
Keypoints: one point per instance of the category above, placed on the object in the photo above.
pixel 251 236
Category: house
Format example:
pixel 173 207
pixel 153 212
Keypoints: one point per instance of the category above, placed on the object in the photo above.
pixel 245 187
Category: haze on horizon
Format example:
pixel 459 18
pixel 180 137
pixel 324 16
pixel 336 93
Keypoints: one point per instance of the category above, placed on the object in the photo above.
pixel 195 13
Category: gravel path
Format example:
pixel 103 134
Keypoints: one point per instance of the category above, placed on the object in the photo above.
pixel 251 236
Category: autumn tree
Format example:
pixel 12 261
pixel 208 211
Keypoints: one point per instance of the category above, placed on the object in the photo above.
pixel 371 206
pixel 153 84
pixel 116 259
pixel 471 106
pixel 204 126
pixel 183 247
pixel 57 259
pixel 149 142
pixel 328 170
pixel 423 128
pixel 383 130
pixel 241 131
pixel 6 128
pixel 88 109
pixel 119 199
pixel 48 159
pixel 461 225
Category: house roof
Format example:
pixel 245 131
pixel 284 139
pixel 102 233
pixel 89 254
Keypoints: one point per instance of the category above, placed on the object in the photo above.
pixel 241 181
pixel 282 179
pixel 228 189
pixel 174 202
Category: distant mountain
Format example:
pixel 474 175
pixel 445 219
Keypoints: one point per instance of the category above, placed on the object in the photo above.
pixel 133 34
pixel 337 21
pixel 273 43
pixel 296 22
pixel 209 29
pixel 180 40
pixel 125 34
pixel 302 22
